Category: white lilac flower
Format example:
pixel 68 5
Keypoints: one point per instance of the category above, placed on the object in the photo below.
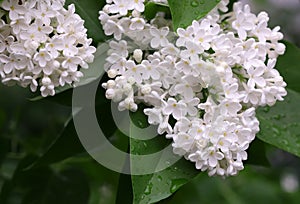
pixel 151 69
pixel 159 37
pixel 137 5
pixel 15 10
pixel 177 109
pixel 201 84
pixel 42 44
pixel 120 6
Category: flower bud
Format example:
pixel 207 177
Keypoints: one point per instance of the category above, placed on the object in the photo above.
pixel 112 73
pixel 110 93
pixel 131 80
pixel 110 84
pixel 138 55
pixel 146 89
pixel 46 81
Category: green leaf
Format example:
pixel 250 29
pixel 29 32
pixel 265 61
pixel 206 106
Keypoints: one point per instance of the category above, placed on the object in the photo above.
pixel 4 148
pixel 280 125
pixel 44 185
pixel 249 186
pixel 102 181
pixel 154 187
pixel 288 66
pixel 9 167
pixel 67 144
pixel 67 186
pixel 10 170
pixel 184 12
pixel 124 196
pixel 2 118
pixel 89 12
pixel 158 186
pixel 151 9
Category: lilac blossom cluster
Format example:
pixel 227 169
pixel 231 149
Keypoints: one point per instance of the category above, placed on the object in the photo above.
pixel 42 44
pixel 209 77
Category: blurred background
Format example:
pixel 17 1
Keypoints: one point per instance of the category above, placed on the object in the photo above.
pixel 28 128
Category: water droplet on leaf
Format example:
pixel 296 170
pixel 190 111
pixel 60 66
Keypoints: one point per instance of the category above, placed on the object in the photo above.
pixel 173 188
pixel 197 13
pixel 266 109
pixel 159 178
pixel 284 142
pixel 277 117
pixel 148 189
pixel 194 3
pixel 140 123
pixel 176 184
pixel 276 131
